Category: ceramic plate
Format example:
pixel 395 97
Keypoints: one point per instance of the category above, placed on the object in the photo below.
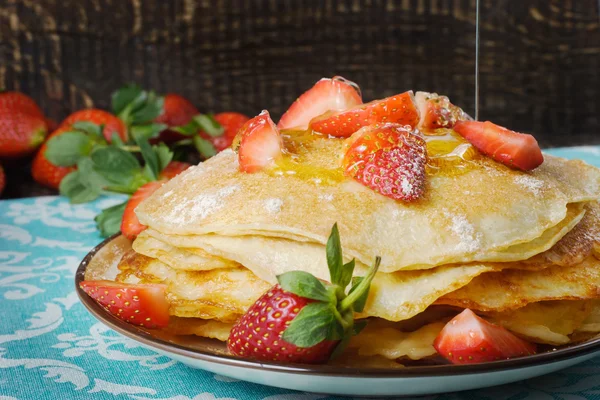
pixel 211 355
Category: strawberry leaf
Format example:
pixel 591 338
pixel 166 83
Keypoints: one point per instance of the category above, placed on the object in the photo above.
pixel 304 284
pixel 358 294
pixel 334 257
pixel 208 124
pixel 124 97
pixel 148 109
pixel 359 304
pixel 74 188
pixel 346 275
pixel 147 131
pixel 114 159
pixel 204 147
pixel 66 149
pixel 189 129
pixel 89 128
pixel 313 324
pixel 108 221
pixel 164 155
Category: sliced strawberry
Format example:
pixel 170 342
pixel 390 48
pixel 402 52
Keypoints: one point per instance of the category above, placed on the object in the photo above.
pixel 516 150
pixel 398 109
pixel 130 225
pixel 260 143
pixel 469 339
pixel 231 122
pixel 437 111
pixel 143 305
pixel 388 159
pixel 335 94
pixel 173 169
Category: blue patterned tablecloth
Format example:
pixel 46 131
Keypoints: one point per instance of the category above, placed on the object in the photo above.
pixel 51 348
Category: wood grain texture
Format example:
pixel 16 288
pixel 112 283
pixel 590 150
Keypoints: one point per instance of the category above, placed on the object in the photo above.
pixel 540 58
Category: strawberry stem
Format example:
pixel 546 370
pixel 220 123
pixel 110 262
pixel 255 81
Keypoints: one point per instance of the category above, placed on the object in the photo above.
pixel 346 303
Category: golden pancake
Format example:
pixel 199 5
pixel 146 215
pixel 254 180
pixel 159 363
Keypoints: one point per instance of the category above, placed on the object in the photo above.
pixel 481 209
pixel 182 250
pixel 550 322
pixel 511 289
pixel 188 259
pixel 223 294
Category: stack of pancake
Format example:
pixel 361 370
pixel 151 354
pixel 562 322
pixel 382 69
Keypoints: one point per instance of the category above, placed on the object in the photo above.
pixel 516 247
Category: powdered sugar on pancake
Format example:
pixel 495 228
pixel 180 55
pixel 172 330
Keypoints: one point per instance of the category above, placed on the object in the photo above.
pixel 273 205
pixel 530 183
pixel 469 240
pixel 202 205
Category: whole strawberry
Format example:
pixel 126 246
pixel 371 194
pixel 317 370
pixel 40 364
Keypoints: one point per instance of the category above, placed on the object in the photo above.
pixel 231 123
pixel 58 156
pixel 17 101
pixel 23 125
pixel 302 319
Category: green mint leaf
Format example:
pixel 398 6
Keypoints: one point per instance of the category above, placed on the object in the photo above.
pixel 148 110
pixel 189 129
pixel 304 284
pixel 204 147
pixel 209 124
pixel 164 155
pixel 334 257
pixel 124 97
pixel 66 149
pixel 77 192
pixel 147 131
pixel 346 275
pixel 313 324
pixel 108 221
pixel 88 127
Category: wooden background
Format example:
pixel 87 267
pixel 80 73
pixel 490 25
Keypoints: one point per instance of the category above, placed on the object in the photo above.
pixel 540 60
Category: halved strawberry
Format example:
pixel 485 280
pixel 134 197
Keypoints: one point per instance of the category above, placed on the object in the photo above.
pixel 388 159
pixel 398 109
pixel 437 111
pixel 335 94
pixel 143 305
pixel 516 150
pixel 173 169
pixel 130 225
pixel 260 143
pixel 469 339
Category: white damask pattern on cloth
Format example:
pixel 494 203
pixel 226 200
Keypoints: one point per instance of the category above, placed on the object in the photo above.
pixel 51 348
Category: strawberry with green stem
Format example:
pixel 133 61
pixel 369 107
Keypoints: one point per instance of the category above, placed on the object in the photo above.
pixel 304 319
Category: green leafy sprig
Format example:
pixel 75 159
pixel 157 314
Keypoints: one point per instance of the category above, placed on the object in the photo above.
pixel 331 315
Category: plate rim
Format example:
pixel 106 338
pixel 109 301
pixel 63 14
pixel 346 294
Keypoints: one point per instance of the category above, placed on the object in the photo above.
pixel 428 371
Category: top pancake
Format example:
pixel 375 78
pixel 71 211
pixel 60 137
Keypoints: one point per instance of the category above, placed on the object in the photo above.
pixel 465 215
